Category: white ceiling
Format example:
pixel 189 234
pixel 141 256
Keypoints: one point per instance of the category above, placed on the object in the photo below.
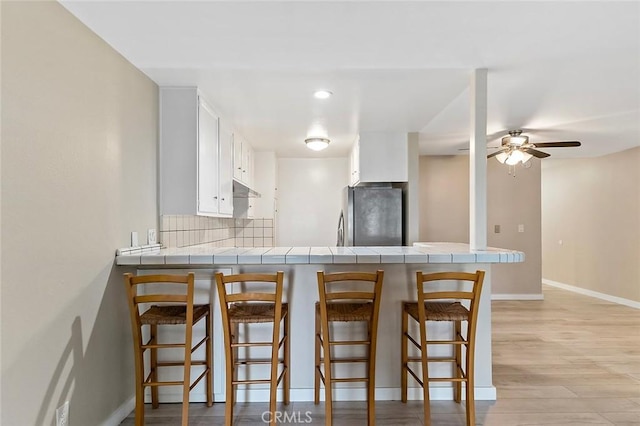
pixel 560 70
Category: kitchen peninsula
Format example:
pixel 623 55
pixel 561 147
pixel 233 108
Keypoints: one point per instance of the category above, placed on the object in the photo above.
pixel 300 265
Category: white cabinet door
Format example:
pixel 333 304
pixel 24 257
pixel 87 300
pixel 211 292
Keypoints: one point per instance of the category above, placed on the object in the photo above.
pixel 207 159
pixel 355 163
pixel 226 170
pixel 247 164
pixel 237 157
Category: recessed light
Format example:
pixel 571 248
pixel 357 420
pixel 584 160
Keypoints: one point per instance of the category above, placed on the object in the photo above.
pixel 322 94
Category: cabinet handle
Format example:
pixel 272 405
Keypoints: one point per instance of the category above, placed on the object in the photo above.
pixel 239 168
pixel 223 199
pixel 215 198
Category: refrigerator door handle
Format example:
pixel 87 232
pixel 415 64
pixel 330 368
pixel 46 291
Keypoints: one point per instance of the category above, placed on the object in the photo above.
pixel 340 241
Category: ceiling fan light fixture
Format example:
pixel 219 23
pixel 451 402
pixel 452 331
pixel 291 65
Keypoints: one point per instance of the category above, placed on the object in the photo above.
pixel 317 144
pixel 502 157
pixel 526 157
pixel 515 157
pixel 515 140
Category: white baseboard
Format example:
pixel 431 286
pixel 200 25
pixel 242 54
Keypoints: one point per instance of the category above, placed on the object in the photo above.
pixel 442 393
pixel 121 413
pixel 591 293
pixel 515 296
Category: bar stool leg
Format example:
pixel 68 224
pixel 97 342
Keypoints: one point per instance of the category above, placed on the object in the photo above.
pixel 273 386
pixel 328 397
pixel 404 356
pixel 209 360
pixel 187 376
pixel 287 358
pixel 139 361
pixel 153 361
pixel 235 329
pixel 316 382
pixel 457 386
pixel 371 382
pixel 470 384
pixel 230 375
pixel 425 373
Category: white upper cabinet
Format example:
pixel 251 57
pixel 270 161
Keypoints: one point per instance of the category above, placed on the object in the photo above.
pixel 195 157
pixel 225 204
pixel 242 161
pixel 355 163
pixel 208 146
pixel 380 157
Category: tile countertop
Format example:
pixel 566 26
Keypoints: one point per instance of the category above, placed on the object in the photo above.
pixel 207 254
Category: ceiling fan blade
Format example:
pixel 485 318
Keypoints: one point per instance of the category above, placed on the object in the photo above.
pixel 557 144
pixel 497 152
pixel 489 147
pixel 536 153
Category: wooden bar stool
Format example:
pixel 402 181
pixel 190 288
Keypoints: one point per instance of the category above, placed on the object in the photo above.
pixel 251 307
pixel 347 306
pixel 438 304
pixel 171 299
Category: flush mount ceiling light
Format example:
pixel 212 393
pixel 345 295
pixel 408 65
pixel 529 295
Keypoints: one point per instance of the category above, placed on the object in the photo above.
pixel 322 94
pixel 317 144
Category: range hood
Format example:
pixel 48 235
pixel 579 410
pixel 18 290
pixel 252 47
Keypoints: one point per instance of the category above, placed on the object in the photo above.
pixel 240 190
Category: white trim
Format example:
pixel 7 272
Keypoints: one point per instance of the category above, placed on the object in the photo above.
pixel 484 393
pixel 516 296
pixel 591 293
pixel 120 413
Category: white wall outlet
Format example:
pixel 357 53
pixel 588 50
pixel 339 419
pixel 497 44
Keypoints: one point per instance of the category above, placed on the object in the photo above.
pixel 496 229
pixel 62 415
pixel 151 236
pixel 134 239
pixel 520 228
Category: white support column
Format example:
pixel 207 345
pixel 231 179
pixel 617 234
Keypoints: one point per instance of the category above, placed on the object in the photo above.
pixel 412 213
pixel 478 161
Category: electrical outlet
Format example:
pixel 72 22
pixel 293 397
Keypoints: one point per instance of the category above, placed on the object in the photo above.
pixel 134 239
pixel 520 228
pixel 496 229
pixel 151 236
pixel 62 415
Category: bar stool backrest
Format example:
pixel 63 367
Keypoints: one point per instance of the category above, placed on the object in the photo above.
pixel 329 295
pixel 473 295
pixel 249 280
pixel 145 290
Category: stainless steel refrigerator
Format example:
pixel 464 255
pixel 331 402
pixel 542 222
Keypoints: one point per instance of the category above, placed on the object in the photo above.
pixel 371 216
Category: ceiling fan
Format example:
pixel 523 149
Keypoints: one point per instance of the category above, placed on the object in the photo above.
pixel 516 148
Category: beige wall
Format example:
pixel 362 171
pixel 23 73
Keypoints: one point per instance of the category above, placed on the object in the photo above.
pixel 593 206
pixel 511 201
pixel 79 135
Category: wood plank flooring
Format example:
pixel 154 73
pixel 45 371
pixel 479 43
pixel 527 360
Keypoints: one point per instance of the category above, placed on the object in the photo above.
pixel 567 360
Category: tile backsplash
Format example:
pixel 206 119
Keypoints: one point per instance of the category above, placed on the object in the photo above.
pixel 183 231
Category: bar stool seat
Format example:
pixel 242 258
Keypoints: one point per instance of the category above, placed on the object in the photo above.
pixel 347 312
pixel 438 311
pixel 255 313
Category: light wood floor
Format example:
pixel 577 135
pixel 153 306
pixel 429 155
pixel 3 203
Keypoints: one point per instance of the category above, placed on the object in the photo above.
pixel 567 360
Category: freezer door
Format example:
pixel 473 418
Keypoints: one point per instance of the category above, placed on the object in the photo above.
pixel 377 216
